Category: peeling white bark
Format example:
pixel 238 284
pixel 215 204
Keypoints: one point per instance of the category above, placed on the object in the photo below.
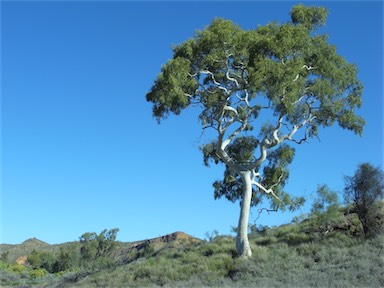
pixel 242 243
pixel 229 108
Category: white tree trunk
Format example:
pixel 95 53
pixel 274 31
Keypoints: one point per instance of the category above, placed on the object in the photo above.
pixel 242 244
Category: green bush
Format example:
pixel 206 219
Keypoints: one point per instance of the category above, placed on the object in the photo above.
pixel 41 259
pixel 3 265
pixel 37 273
pixel 65 260
pixel 16 268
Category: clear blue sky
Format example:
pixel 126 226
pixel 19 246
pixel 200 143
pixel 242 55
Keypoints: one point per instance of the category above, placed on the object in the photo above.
pixel 80 149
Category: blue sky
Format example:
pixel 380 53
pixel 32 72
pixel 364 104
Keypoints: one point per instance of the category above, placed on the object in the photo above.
pixel 80 149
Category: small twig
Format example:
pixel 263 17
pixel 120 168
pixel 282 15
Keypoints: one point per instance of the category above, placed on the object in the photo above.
pixel 260 211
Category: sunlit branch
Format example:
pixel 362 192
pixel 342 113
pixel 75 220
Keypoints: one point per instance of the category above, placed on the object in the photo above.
pixel 215 81
pixel 264 189
pixel 245 99
pixel 267 191
pixel 232 79
pixel 308 68
pixel 226 142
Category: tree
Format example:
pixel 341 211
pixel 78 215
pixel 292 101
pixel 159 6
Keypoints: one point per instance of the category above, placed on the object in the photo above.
pixel 95 246
pixel 325 200
pixel 65 260
pixel 41 259
pixel 363 190
pixel 282 79
pixel 325 209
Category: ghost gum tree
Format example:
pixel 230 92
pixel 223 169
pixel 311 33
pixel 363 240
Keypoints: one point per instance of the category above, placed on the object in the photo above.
pixel 259 90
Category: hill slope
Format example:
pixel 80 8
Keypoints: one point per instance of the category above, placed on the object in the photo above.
pixel 22 250
pixel 16 251
pixel 315 252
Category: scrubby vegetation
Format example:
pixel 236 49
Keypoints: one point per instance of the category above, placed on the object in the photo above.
pixel 326 248
pixel 329 247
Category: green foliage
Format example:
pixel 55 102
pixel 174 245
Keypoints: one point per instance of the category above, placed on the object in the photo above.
pixel 174 76
pixel 364 189
pixel 326 199
pixel 65 260
pixel 243 148
pixel 287 255
pixel 3 265
pixel 262 61
pixel 342 261
pixel 277 172
pixel 41 259
pixel 210 153
pixel 231 187
pixel 309 17
pixel 283 70
pixel 16 268
pixel 37 273
pixel 96 249
pixel 326 211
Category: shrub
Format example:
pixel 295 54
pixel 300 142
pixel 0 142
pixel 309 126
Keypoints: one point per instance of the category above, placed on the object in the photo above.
pixel 16 268
pixel 41 259
pixel 65 260
pixel 37 273
pixel 3 265
pixel 265 241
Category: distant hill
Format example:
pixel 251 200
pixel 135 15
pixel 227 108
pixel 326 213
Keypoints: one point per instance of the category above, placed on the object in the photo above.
pixel 33 242
pixel 22 250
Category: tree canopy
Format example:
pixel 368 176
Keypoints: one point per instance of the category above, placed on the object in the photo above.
pixel 260 89
pixel 96 246
pixel 234 75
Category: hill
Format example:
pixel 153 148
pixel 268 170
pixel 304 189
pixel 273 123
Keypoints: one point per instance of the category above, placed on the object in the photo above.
pixel 124 252
pixel 311 252
pixel 23 249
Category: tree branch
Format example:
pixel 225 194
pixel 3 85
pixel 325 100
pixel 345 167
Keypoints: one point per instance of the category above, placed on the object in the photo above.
pixel 232 79
pixel 268 191
pixel 255 174
pixel 304 66
pixel 207 72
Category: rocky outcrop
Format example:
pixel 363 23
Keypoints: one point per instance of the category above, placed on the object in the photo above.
pixel 22 260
